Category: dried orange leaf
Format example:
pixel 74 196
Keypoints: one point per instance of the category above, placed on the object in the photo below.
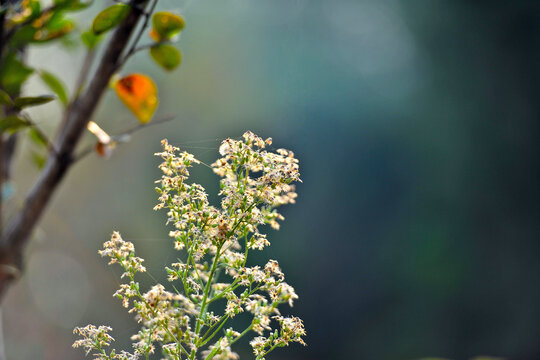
pixel 139 93
pixel 101 135
pixel 105 145
pixel 104 150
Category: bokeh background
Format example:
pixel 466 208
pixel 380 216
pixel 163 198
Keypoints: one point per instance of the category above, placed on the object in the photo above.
pixel 417 126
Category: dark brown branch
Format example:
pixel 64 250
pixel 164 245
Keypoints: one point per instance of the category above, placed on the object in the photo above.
pixel 19 229
pixel 3 38
pixel 7 155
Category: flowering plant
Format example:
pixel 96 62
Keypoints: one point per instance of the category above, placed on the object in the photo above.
pixel 215 243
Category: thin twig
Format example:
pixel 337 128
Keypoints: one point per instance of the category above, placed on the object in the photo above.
pixel 118 138
pixel 143 27
pixel 83 73
pixel 148 46
pixel 134 129
pixel 49 143
pixel 2 145
pixel 3 39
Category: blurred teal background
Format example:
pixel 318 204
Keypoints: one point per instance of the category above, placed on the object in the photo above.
pixel 417 127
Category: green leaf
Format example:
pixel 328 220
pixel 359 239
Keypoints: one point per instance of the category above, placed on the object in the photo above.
pixel 5 99
pixel 35 8
pixel 23 36
pixel 54 28
pixel 109 18
pixel 47 27
pixel 39 159
pixel 72 5
pixel 166 24
pixel 31 9
pixel 12 123
pixel 24 102
pixel 37 137
pixel 55 85
pixel 70 42
pixel 13 73
pixel 167 56
pixel 90 40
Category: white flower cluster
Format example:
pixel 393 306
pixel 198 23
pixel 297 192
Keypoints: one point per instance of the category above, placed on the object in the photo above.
pixel 212 272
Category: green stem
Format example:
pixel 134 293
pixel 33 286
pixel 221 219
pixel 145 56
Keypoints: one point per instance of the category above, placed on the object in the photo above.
pixel 197 272
pixel 103 352
pixel 232 286
pixel 205 297
pixel 242 334
pixel 266 352
pixel 213 353
pixel 184 277
pixel 207 339
pixel 245 251
pixel 208 285
pixel 241 219
pixel 139 295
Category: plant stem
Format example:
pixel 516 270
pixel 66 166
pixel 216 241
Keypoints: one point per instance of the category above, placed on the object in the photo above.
pixel 133 47
pixel 213 352
pixel 83 73
pixel 206 339
pixel 207 287
pixel 205 297
pixel 269 350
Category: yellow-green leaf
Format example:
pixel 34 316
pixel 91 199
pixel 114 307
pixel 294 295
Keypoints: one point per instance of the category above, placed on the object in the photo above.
pixel 55 85
pixel 109 18
pixel 50 27
pixel 5 99
pixel 37 137
pixel 24 102
pixel 23 36
pixel 38 159
pixel 12 123
pixel 13 73
pixel 30 9
pixel 89 39
pixel 166 25
pixel 167 56
pixel 72 5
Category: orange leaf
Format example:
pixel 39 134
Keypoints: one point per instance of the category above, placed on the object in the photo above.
pixel 139 93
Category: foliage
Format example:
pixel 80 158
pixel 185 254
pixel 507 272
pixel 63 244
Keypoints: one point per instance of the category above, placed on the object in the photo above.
pixel 118 29
pixel 30 23
pixel 215 244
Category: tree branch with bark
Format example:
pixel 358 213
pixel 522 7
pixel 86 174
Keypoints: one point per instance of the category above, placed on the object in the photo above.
pixel 23 24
